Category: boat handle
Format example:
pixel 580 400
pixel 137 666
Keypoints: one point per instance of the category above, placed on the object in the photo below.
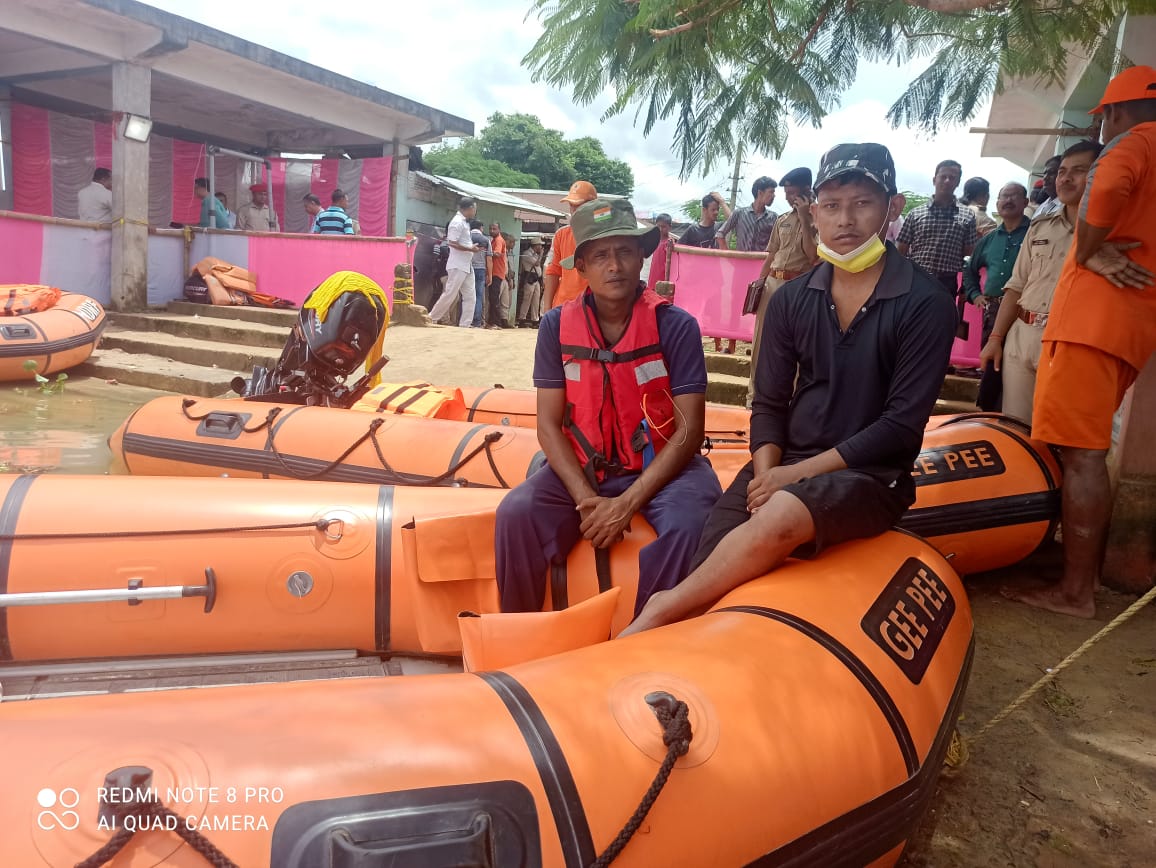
pixel 134 594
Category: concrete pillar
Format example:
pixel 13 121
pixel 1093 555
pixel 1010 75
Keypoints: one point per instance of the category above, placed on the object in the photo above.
pixel 5 148
pixel 131 94
pixel 399 187
pixel 1130 561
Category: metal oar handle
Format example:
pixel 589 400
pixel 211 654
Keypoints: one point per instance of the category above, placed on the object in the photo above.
pixel 134 594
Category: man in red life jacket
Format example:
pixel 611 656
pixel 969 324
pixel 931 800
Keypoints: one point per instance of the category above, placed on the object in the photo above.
pixel 621 381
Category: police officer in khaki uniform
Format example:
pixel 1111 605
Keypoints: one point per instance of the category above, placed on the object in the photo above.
pixel 791 251
pixel 1015 342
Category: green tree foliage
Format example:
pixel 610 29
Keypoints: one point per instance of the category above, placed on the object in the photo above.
pixel 466 163
pixel 520 141
pixel 729 69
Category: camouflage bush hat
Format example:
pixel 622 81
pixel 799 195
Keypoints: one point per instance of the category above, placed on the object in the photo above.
pixel 609 218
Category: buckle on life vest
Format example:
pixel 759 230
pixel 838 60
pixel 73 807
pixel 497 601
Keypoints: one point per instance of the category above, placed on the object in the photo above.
pixel 600 354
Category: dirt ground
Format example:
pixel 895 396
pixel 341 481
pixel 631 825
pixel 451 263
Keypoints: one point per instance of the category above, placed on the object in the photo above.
pixel 1069 780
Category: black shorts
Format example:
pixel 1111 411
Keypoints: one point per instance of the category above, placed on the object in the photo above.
pixel 844 505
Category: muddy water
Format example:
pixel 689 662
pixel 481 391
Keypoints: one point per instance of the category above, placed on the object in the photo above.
pixel 65 432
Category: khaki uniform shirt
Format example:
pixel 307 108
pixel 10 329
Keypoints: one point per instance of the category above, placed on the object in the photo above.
pixel 1040 261
pixel 254 219
pixel 787 234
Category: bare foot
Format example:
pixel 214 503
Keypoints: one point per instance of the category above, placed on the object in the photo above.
pixel 653 615
pixel 1054 600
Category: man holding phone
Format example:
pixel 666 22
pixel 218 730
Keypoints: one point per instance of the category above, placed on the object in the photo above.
pixel 792 250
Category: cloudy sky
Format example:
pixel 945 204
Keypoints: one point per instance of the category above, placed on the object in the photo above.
pixel 465 58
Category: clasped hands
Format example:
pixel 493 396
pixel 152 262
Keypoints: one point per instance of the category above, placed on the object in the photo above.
pixel 605 519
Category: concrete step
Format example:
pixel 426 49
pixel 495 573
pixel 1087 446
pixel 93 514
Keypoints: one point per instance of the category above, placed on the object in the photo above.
pixel 208 328
pixel 157 372
pixel 191 350
pixel 734 365
pixel 951 408
pixel 958 388
pixel 727 389
pixel 264 315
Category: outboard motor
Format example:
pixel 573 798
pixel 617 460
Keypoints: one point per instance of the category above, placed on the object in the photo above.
pixel 319 356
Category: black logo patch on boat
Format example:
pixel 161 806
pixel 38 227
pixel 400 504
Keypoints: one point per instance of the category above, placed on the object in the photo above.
pixel 958 461
pixel 909 618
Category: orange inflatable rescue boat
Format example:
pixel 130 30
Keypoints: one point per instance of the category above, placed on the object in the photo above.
pixel 56 330
pixel 802 721
pixel 985 491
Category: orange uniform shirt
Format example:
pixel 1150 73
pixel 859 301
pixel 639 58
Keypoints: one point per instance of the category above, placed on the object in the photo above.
pixel 501 265
pixel 571 283
pixel 1087 309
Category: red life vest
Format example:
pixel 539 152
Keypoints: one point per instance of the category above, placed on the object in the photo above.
pixel 611 393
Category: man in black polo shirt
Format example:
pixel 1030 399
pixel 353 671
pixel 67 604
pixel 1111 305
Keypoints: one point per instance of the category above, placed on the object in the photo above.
pixel 853 355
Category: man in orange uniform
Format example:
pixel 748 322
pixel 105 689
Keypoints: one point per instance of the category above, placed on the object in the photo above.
pixel 1101 331
pixel 562 284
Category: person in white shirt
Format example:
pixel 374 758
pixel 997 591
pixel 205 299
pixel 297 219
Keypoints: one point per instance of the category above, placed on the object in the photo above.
pixel 94 202
pixel 459 266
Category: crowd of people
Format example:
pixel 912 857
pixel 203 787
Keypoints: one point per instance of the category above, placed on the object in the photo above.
pixel 853 343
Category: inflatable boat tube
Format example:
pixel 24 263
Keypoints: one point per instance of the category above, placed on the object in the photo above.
pixel 55 339
pixel 985 492
pixel 389 567
pixel 820 704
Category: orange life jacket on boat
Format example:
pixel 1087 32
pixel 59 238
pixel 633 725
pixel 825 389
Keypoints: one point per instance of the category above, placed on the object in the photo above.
pixel 21 299
pixel 619 410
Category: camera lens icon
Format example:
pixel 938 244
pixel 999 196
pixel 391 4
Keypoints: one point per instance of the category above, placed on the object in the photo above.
pixel 63 817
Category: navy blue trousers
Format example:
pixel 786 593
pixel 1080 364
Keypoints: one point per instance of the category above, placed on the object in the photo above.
pixel 537 525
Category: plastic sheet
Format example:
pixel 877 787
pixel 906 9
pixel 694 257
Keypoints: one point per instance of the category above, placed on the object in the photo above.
pixel 711 285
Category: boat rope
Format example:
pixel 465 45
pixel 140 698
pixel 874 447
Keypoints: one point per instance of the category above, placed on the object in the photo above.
pixel 332 465
pixel 393 476
pixel 674 716
pixel 959 750
pixel 152 808
pixel 321 524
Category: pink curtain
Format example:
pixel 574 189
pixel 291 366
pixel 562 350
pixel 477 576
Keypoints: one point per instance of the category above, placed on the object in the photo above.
pixel 291 267
pixel 188 164
pixel 277 193
pixel 23 243
pixel 965 354
pixel 31 160
pixel 102 145
pixel 711 286
pixel 373 208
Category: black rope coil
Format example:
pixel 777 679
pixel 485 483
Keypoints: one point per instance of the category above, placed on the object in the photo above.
pixel 674 716
pixel 142 811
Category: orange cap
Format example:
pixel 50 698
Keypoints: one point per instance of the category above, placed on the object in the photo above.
pixel 581 192
pixel 1136 82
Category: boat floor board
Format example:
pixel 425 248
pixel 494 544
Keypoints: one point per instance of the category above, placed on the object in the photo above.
pixel 24 682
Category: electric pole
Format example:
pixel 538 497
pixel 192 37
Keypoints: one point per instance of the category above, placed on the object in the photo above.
pixel 735 177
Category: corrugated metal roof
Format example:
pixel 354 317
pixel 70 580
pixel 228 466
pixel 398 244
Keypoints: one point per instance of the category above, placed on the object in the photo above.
pixel 489 194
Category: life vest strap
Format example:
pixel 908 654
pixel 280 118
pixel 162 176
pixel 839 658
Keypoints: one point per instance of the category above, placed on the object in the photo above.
pixel 605 356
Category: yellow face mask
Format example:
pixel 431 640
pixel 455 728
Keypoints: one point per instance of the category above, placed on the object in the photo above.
pixel 859 259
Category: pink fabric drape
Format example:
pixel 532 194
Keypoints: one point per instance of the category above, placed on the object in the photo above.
pixel 102 145
pixel 324 180
pixel 965 354
pixel 373 208
pixel 31 160
pixel 277 194
pixel 712 287
pixel 292 267
pixel 188 164
pixel 23 243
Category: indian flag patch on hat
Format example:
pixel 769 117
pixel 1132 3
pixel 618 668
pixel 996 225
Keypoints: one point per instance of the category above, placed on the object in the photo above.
pixel 601 214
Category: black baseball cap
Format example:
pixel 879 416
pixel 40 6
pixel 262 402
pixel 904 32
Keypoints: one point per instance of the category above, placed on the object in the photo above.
pixel 864 158
pixel 800 177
